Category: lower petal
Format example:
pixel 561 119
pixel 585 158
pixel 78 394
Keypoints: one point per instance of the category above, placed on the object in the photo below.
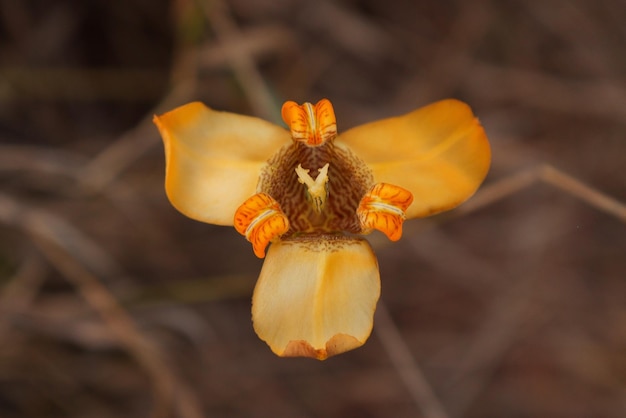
pixel 316 296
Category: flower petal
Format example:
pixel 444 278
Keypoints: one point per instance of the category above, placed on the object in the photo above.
pixel 310 124
pixel 316 296
pixel 260 220
pixel 384 208
pixel 439 153
pixel 213 159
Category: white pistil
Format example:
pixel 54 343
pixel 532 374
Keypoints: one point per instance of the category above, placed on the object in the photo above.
pixel 316 188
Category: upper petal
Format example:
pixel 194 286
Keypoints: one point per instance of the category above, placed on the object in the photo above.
pixel 213 159
pixel 439 153
pixel 316 296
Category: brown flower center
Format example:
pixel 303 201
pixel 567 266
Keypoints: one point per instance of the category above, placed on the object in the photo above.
pixel 349 179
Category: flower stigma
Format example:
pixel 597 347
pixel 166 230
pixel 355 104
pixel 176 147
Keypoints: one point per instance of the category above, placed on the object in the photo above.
pixel 317 189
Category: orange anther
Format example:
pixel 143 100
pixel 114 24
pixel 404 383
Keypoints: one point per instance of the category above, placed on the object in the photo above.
pixel 260 220
pixel 383 208
pixel 311 124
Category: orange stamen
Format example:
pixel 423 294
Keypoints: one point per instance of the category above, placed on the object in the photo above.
pixel 311 124
pixel 260 220
pixel 383 208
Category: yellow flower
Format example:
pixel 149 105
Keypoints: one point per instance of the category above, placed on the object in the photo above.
pixel 312 193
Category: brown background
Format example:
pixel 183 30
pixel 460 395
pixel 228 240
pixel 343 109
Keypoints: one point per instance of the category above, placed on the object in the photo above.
pixel 115 305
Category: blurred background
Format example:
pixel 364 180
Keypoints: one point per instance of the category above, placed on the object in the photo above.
pixel 112 304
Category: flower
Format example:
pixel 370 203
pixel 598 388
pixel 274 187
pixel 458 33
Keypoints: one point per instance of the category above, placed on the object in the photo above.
pixel 312 193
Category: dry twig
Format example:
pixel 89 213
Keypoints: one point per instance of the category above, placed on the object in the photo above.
pixel 253 84
pixel 414 380
pixel 58 248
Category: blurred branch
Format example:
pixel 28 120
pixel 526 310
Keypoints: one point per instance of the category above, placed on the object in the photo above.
pixel 19 292
pixel 256 89
pixel 402 359
pixel 40 159
pixel 348 30
pixel 451 56
pixel 511 184
pixel 484 351
pixel 106 166
pixel 604 98
pixel 80 84
pixel 50 234
pixel 544 173
pixel 251 43
pixel 54 228
pixel 120 324
pixel 113 160
pixel 584 36
pixel 510 310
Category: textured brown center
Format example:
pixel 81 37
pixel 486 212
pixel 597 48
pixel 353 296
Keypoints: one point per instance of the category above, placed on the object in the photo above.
pixel 349 180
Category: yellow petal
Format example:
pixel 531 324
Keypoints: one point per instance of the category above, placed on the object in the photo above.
pixel 213 159
pixel 439 153
pixel 316 296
